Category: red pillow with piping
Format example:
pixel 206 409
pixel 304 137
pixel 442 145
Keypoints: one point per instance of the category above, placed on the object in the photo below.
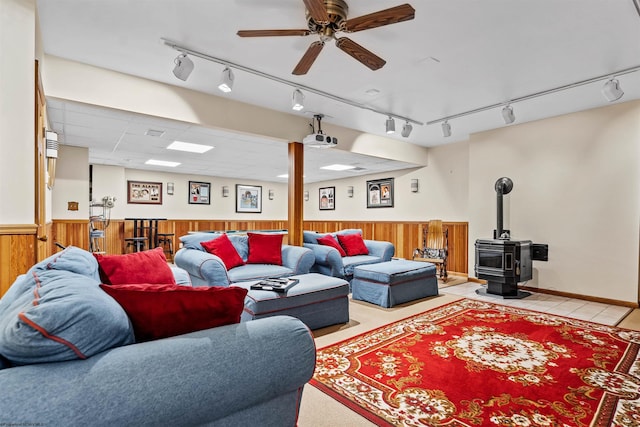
pixel 160 311
pixel 224 249
pixel 353 244
pixel 329 240
pixel 265 249
pixel 138 267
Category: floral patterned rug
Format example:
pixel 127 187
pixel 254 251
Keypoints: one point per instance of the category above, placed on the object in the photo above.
pixel 473 363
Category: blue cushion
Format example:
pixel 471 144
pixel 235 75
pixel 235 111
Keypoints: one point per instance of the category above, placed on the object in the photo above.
pixel 192 241
pixel 397 271
pixel 312 236
pixel 257 271
pixel 55 315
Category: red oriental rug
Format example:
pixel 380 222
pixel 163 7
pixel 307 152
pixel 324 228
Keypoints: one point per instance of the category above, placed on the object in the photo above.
pixel 473 363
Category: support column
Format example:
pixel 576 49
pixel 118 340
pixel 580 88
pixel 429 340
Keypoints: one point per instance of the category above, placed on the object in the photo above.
pixel 296 189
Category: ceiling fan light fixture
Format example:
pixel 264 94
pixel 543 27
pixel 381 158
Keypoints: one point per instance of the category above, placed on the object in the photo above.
pixel 297 100
pixel 446 129
pixel 183 68
pixel 507 115
pixel 390 125
pixel 406 130
pixel 226 83
pixel 611 90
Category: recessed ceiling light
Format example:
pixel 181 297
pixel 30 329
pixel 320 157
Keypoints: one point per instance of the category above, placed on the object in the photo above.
pixel 188 146
pixel 161 163
pixel 337 167
pixel 372 92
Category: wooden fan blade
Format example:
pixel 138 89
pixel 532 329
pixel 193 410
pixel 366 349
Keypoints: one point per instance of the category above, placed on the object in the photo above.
pixel 361 54
pixel 378 19
pixel 317 10
pixel 308 58
pixel 272 33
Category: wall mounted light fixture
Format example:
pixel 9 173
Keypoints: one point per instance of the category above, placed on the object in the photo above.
pixel 170 188
pixel 225 191
pixel 350 191
pixel 414 185
pixel 306 196
pixel 271 194
pixel 51 142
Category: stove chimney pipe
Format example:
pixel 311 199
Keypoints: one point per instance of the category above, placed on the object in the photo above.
pixel 503 186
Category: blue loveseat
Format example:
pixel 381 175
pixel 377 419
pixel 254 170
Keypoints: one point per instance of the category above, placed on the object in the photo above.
pixel 329 262
pixel 207 269
pixel 231 375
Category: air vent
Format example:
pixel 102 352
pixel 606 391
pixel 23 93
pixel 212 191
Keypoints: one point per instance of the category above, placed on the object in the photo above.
pixel 357 169
pixel 153 132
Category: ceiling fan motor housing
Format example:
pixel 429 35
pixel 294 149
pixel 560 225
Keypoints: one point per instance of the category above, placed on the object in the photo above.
pixel 337 11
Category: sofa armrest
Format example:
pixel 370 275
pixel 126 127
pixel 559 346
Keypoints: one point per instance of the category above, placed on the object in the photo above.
pixel 204 268
pixel 327 260
pixel 383 250
pixel 297 258
pixel 192 379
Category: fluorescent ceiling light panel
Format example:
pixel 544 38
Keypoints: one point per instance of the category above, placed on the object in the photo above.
pixel 286 175
pixel 337 167
pixel 161 163
pixel 188 146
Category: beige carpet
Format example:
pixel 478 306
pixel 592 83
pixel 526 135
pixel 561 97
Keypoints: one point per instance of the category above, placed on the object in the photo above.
pixel 318 409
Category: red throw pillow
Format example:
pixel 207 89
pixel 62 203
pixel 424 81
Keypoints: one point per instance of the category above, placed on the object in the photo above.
pixel 353 244
pixel 329 240
pixel 139 267
pixel 223 248
pixel 160 311
pixel 265 249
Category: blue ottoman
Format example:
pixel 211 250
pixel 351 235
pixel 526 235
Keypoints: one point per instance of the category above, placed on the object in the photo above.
pixel 394 282
pixel 317 300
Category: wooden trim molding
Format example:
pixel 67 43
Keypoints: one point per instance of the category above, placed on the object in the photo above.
pixel 8 229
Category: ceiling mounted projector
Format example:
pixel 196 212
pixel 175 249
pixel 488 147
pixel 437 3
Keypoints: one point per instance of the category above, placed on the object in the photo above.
pixel 320 140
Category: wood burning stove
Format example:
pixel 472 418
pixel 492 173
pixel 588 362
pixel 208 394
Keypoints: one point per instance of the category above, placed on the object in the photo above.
pixel 503 262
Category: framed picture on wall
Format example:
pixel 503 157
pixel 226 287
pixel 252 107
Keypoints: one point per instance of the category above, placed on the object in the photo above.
pixel 199 193
pixel 144 192
pixel 248 198
pixel 327 198
pixel 380 193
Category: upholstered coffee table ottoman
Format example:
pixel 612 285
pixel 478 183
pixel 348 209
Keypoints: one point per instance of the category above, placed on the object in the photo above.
pixel 317 300
pixel 394 282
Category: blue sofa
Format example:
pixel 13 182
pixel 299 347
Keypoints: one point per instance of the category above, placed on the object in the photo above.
pixel 206 269
pixel 329 262
pixel 230 375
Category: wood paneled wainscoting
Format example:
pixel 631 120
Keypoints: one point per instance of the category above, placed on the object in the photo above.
pixel 406 236
pixel 17 252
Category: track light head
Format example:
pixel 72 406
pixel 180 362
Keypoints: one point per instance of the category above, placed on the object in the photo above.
pixel 446 129
pixel 390 125
pixel 406 130
pixel 297 101
pixel 226 83
pixel 507 115
pixel 611 90
pixel 183 68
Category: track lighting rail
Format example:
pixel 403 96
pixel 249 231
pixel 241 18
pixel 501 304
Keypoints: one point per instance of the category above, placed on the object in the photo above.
pixel 537 94
pixel 309 89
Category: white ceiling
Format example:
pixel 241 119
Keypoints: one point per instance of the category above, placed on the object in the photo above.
pixel 455 56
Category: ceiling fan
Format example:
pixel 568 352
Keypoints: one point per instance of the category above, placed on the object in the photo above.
pixel 328 17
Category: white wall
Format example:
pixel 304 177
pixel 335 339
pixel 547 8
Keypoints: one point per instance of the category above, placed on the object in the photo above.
pixel 443 192
pixel 17 47
pixel 576 187
pixel 73 185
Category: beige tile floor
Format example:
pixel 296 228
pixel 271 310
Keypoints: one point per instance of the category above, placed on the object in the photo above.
pixel 552 304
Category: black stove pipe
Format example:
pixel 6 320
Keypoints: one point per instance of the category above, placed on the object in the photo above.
pixel 503 186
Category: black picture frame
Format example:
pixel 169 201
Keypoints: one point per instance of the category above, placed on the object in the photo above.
pixel 380 193
pixel 248 198
pixel 327 198
pixel 199 193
